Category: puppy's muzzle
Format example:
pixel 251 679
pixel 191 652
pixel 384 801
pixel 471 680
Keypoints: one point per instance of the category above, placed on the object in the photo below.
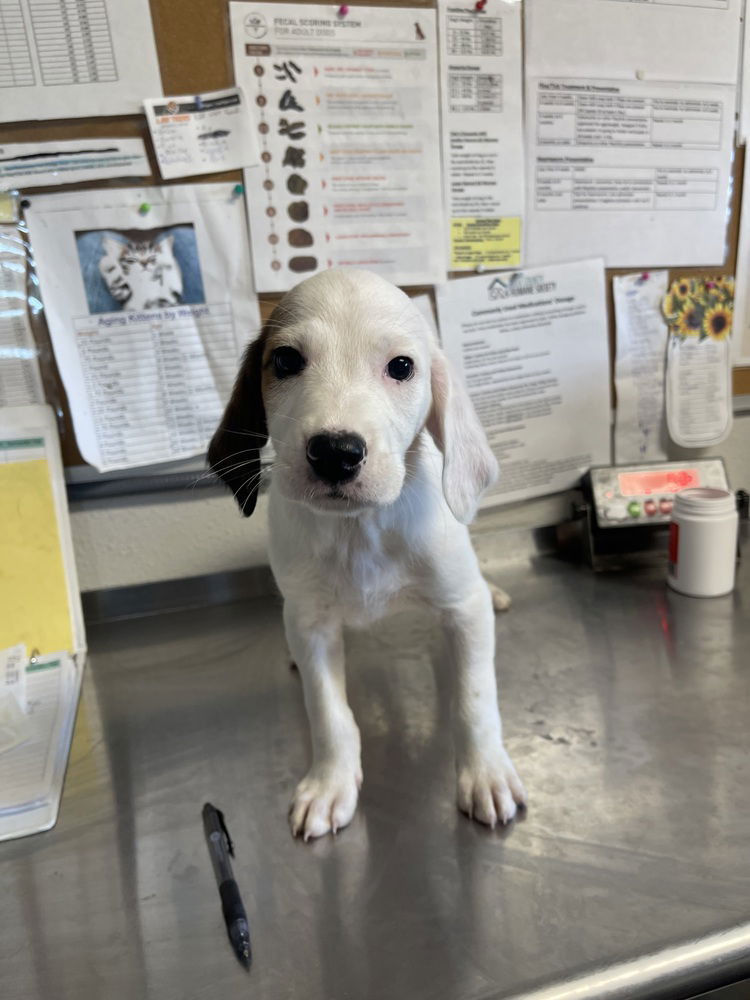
pixel 336 458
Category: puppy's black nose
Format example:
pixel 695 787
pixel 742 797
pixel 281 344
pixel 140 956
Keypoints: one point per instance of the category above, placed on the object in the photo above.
pixel 336 458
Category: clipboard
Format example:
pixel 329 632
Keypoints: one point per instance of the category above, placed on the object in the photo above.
pixel 40 607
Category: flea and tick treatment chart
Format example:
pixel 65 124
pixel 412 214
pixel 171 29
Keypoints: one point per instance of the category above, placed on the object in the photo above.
pixel 629 136
pixel 68 58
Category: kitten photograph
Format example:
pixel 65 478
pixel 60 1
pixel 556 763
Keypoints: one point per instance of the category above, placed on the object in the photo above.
pixel 139 270
pixel 141 275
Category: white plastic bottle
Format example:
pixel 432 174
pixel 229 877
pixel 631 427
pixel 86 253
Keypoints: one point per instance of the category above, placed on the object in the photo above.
pixel 703 542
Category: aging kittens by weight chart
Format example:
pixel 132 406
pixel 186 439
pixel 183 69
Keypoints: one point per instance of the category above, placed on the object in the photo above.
pixel 155 382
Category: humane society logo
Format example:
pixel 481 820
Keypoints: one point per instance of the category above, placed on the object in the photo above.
pixel 519 284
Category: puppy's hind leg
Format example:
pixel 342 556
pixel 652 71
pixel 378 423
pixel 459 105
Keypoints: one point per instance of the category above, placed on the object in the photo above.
pixel 501 600
pixel 326 798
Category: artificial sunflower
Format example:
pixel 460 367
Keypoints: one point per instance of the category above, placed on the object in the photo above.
pixel 683 287
pixel 689 322
pixel 717 323
pixel 725 285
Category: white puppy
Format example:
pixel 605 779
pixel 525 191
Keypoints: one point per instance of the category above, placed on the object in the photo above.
pixel 380 462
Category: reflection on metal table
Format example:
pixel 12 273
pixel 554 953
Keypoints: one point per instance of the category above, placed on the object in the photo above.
pixel 625 709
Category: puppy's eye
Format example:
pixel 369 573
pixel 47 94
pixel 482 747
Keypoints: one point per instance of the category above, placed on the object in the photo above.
pixel 287 361
pixel 400 368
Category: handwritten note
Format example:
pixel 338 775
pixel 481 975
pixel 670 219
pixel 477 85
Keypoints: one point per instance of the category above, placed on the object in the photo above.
pixel 202 134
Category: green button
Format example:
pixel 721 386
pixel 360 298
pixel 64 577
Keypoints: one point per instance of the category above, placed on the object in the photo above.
pixel 634 508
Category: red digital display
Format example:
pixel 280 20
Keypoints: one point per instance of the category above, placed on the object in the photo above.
pixel 633 484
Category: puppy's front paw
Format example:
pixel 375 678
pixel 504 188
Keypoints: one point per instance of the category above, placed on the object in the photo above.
pixel 489 789
pixel 324 801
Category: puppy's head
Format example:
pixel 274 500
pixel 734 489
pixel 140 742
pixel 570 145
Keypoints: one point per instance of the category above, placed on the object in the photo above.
pixel 343 378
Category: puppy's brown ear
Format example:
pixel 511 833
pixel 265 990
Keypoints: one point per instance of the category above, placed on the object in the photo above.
pixel 234 451
pixel 469 466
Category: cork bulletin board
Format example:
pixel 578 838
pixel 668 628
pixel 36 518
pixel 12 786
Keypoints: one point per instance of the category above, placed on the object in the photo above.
pixel 192 40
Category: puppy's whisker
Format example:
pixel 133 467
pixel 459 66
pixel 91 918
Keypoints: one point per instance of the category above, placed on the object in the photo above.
pixel 226 469
pixel 256 434
pixel 250 484
pixel 234 468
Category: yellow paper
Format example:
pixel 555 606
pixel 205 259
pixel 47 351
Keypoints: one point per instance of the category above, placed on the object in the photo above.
pixel 491 243
pixel 34 607
pixel 7 207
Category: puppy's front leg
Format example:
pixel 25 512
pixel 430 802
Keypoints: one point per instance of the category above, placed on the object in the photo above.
pixel 326 797
pixel 489 789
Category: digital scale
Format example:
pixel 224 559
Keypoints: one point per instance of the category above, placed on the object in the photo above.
pixel 626 508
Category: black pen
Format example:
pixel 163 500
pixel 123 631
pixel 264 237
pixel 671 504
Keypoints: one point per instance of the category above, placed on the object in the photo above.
pixel 221 848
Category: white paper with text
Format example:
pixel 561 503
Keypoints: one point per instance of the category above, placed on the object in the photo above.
pixel 640 421
pixel 698 391
pixel 202 133
pixel 481 90
pixel 43 164
pixel 532 349
pixel 346 111
pixel 75 60
pixel 630 127
pixel 148 314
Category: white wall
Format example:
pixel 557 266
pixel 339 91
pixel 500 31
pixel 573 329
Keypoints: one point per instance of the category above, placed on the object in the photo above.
pixel 166 538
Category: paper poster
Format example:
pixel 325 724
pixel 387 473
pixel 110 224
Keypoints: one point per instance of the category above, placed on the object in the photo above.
pixel 202 134
pixel 699 368
pixel 149 302
pixel 42 164
pixel 75 60
pixel 481 90
pixel 532 348
pixel 640 422
pixel 20 379
pixel 346 111
pixel 630 143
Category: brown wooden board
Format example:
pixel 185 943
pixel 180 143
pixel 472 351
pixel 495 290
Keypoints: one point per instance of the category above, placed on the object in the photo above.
pixel 192 41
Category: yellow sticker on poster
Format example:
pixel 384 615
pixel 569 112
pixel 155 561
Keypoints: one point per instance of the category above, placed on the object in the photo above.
pixel 34 606
pixel 491 243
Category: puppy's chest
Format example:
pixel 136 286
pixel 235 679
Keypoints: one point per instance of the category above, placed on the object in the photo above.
pixel 366 570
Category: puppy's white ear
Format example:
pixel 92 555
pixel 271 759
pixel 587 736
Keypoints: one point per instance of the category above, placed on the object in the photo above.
pixel 469 466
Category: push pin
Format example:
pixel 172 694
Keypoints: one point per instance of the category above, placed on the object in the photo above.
pixel 645 276
pixel 198 103
pixel 479 268
pixel 480 5
pixel 144 208
pixel 343 10
pixel 237 191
